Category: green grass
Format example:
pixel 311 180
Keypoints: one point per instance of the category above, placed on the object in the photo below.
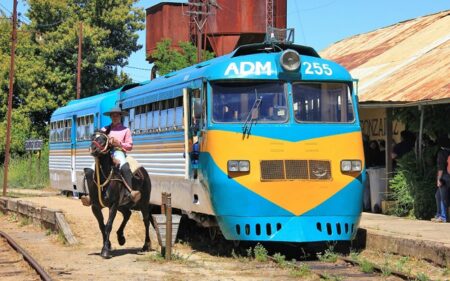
pixel 300 271
pixel 422 277
pixel 261 254
pixel 25 221
pixel 366 266
pixel 159 258
pixel 26 172
pixel 329 255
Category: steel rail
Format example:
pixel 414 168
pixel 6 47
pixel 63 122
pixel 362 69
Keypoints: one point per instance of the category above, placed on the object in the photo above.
pixel 28 258
pixel 378 268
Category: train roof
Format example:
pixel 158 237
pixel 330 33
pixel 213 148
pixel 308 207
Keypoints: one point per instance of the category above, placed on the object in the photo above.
pixel 168 86
pixel 92 104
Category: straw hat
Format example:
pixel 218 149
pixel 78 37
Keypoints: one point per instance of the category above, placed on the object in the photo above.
pixel 116 110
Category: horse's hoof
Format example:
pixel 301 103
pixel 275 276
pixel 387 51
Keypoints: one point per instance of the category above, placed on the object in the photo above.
pixel 121 239
pixel 146 248
pixel 106 254
pixel 86 200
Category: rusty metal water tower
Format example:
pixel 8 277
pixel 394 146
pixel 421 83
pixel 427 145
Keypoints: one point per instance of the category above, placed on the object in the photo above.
pixel 214 25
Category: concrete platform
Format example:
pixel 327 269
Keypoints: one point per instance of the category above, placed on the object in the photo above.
pixel 417 238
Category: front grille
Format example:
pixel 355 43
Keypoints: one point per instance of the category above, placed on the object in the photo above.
pixel 295 170
pixel 319 170
pixel 272 169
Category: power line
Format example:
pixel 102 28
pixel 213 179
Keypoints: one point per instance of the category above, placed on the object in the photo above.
pixel 138 68
pixel 5 9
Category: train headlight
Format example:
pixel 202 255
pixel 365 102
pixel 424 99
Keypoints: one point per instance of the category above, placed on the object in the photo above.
pixel 244 166
pixel 351 165
pixel 290 60
pixel 356 166
pixel 238 165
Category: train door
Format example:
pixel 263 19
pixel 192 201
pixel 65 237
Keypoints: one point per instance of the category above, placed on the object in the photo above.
pixel 73 151
pixel 192 103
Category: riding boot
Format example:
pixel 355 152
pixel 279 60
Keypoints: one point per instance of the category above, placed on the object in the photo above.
pixel 128 177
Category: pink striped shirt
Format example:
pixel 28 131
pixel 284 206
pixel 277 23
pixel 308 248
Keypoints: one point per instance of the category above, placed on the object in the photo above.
pixel 123 135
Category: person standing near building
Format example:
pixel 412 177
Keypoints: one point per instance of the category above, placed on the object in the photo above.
pixel 442 180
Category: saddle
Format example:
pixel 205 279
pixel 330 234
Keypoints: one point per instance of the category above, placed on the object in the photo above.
pixel 134 164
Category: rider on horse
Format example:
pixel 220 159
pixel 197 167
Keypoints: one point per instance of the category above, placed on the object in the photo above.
pixel 121 142
pixel 120 139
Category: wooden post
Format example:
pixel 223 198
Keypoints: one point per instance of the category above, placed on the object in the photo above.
pixel 168 227
pixel 388 129
pixel 39 161
pixel 80 42
pixel 10 98
pixel 31 165
pixel 163 212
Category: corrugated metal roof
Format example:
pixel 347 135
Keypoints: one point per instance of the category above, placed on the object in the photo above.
pixel 401 63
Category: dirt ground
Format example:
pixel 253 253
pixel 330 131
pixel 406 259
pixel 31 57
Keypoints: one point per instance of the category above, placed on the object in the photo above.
pixel 83 261
pixel 198 260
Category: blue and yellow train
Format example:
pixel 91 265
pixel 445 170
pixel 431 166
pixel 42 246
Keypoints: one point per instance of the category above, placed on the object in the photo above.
pixel 264 143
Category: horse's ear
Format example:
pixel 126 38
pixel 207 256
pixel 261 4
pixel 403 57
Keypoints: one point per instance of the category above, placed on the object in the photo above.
pixel 107 129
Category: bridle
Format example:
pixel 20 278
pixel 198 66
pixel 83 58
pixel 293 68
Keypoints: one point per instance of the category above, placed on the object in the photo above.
pixel 104 149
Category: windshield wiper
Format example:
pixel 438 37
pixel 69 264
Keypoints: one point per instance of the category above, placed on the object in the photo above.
pixel 251 115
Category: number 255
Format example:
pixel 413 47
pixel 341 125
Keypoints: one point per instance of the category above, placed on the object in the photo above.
pixel 317 68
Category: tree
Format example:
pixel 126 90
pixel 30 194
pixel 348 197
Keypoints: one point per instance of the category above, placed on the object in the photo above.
pixel 109 38
pixel 46 59
pixel 168 59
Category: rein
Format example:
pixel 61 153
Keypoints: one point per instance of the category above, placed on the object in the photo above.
pixel 100 186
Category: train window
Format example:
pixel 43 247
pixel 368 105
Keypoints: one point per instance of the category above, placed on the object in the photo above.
pixel 156 115
pixel 149 121
pixel 85 127
pixel 137 120
pixel 322 102
pixel 164 113
pixel 52 132
pixel 234 102
pixel 67 130
pixel 171 114
pixel 126 121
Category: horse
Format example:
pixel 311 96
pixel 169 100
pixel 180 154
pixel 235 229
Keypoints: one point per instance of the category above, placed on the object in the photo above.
pixel 107 189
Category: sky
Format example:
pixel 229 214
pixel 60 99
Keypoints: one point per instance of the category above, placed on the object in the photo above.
pixel 318 23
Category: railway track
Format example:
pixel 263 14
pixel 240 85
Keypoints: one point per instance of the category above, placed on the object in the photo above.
pixel 17 264
pixel 348 271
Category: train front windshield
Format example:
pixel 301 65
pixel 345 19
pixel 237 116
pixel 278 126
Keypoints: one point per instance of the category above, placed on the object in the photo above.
pixel 322 102
pixel 232 103
pixel 312 102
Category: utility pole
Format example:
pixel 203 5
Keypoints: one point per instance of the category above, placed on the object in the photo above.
pixel 10 95
pixel 269 14
pixel 80 42
pixel 199 10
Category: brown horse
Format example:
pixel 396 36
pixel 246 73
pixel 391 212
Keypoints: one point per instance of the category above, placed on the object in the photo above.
pixel 107 189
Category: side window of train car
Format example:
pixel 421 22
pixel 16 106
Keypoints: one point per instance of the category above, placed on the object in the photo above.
pixel 144 112
pixel 85 127
pixel 179 113
pixel 54 131
pixel 131 119
pixel 163 120
pixel 171 114
pixel 149 118
pixel 67 128
pixel 126 120
pixel 137 120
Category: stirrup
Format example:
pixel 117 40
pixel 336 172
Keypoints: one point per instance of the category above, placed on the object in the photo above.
pixel 86 200
pixel 135 196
